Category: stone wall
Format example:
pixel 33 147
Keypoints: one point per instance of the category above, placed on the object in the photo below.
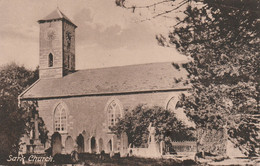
pixel 87 115
pixel 51 45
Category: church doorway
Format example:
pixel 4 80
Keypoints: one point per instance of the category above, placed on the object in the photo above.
pixel 56 143
pixel 80 142
pixel 100 145
pixel 69 145
pixel 109 146
pixel 93 145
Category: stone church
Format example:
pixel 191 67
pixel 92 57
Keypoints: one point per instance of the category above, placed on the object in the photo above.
pixel 79 106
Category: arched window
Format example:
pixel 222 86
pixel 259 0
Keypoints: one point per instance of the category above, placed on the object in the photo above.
pixel 113 113
pixel 175 105
pixel 60 119
pixel 50 62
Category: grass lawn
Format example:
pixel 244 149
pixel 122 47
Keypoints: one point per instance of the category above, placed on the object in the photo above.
pixel 134 161
pixel 87 159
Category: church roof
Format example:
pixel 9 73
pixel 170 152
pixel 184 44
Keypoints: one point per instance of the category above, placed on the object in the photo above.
pixel 56 15
pixel 112 80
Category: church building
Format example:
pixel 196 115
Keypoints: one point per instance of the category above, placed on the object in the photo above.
pixel 79 106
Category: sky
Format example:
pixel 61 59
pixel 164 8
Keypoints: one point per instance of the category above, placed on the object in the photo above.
pixel 106 36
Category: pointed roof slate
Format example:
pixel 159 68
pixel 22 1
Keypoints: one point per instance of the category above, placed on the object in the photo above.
pixel 112 80
pixel 56 15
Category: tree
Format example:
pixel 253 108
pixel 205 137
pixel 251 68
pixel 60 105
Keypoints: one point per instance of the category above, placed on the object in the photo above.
pixel 14 79
pixel 168 128
pixel 223 40
pixel 15 120
pixel 222 37
pixel 12 126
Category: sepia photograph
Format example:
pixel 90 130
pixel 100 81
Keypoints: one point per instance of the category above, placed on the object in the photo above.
pixel 129 82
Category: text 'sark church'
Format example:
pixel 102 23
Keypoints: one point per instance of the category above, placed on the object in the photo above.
pixel 79 106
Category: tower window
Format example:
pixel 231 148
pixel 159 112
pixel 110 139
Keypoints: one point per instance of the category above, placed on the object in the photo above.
pixel 69 62
pixel 50 64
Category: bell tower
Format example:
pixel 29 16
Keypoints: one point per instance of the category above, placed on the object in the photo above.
pixel 57 45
